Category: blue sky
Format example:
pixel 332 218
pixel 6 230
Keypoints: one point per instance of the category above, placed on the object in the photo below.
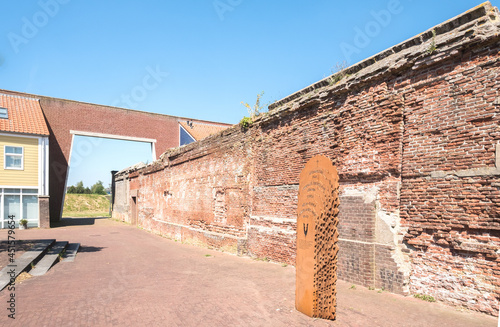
pixel 207 56
pixel 94 158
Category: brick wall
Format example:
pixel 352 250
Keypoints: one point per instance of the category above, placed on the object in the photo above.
pixel 450 195
pixel 62 116
pixel 203 195
pixel 43 211
pixel 414 136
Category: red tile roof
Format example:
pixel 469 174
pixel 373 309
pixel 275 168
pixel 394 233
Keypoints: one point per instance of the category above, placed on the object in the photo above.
pixel 25 115
pixel 201 130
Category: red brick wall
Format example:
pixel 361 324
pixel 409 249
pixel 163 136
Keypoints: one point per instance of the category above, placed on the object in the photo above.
pixel 203 196
pixel 240 190
pixel 65 115
pixel 413 135
pixel 452 216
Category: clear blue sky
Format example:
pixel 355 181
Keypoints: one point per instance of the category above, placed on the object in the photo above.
pixel 202 57
pixel 93 159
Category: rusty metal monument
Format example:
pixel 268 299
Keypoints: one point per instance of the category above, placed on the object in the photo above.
pixel 317 239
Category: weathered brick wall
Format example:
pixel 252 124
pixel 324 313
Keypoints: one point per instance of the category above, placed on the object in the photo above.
pixel 199 193
pixel 450 199
pixel 414 134
pixel 364 140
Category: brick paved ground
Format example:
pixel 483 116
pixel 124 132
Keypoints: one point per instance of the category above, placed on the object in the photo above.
pixel 123 276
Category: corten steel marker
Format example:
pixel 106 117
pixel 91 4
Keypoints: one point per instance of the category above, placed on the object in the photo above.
pixel 317 239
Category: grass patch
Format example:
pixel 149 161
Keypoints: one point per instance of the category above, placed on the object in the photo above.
pixel 85 214
pixel 424 297
pixel 86 205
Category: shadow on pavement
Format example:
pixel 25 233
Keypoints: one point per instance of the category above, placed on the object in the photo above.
pixel 25 245
pixel 84 248
pixel 20 245
pixel 69 221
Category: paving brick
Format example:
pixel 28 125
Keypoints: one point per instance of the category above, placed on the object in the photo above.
pixel 126 277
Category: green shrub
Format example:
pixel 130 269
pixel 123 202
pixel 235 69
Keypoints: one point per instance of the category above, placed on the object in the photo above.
pixel 246 122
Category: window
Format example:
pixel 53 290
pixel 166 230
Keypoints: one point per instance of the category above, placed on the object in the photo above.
pixel 4 114
pixel 12 206
pixel 185 138
pixel 20 203
pixel 30 207
pixel 13 157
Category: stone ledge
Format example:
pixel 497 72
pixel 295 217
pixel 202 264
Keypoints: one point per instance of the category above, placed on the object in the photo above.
pixel 272 230
pixel 474 26
pixel 206 233
pixel 485 171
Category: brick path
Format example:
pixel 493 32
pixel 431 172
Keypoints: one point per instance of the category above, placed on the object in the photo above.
pixel 123 276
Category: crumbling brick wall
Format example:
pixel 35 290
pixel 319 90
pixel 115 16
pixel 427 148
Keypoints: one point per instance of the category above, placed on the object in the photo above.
pixel 450 197
pixel 199 193
pixel 362 134
pixel 414 134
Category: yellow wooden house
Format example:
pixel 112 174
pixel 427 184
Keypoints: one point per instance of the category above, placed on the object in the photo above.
pixel 24 155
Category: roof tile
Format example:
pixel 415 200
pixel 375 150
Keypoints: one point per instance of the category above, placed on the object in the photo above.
pixel 24 115
pixel 201 130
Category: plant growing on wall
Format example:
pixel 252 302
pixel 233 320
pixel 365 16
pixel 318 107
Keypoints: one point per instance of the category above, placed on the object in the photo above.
pixel 245 122
pixel 432 46
pixel 338 72
pixel 253 112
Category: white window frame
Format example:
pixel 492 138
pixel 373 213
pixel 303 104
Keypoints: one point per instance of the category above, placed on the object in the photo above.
pixel 5 154
pixel 4 222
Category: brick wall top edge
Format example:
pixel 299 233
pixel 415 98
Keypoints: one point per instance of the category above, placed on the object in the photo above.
pixel 483 21
pixel 476 26
pixel 128 170
pixel 47 98
pixel 196 149
pixel 174 152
